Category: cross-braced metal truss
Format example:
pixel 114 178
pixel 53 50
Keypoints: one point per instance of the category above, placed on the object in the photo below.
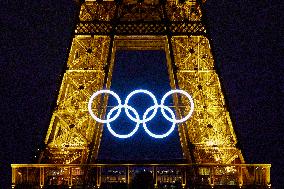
pixel 148 18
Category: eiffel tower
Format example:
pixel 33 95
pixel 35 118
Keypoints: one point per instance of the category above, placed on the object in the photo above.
pixel 105 27
pixel 175 27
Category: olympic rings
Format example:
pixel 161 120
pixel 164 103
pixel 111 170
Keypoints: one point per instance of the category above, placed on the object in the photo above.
pixel 154 108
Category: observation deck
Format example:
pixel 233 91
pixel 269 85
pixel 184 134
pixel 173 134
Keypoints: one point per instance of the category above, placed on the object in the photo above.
pixel 116 175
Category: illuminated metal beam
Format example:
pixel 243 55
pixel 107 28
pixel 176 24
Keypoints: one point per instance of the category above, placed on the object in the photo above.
pixel 140 28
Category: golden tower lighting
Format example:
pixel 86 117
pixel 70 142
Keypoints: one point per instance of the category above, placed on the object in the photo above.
pixel 178 28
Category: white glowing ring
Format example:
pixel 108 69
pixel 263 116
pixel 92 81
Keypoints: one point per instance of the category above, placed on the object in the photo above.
pixel 125 135
pixel 137 118
pixel 161 135
pixel 91 101
pixel 163 106
pixel 137 92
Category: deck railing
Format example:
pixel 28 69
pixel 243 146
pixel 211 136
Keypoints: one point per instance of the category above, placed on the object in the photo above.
pixel 129 175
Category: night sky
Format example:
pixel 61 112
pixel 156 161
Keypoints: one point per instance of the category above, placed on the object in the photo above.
pixel 246 42
pixel 140 70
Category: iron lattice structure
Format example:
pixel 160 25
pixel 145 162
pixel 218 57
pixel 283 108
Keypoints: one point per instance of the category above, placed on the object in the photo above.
pixel 177 28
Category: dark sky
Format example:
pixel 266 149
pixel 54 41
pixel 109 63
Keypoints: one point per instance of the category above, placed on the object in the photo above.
pixel 140 70
pixel 248 48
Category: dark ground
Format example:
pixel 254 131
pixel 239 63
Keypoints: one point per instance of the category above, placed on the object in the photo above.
pixel 248 45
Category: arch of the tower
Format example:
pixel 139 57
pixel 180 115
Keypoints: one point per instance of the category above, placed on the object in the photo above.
pixel 107 26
